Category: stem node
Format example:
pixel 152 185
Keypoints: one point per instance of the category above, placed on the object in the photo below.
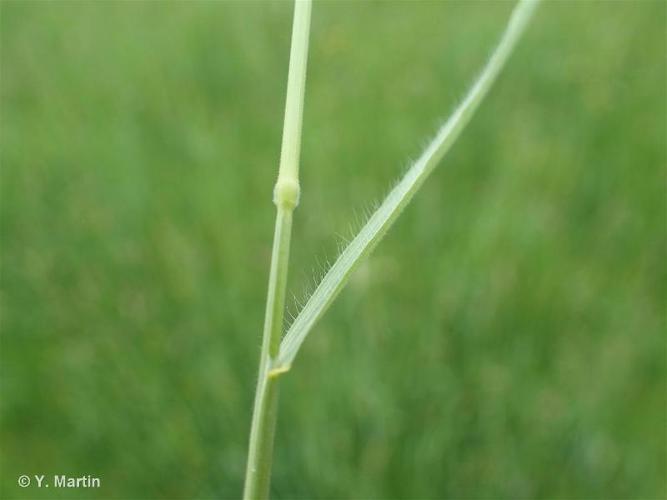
pixel 286 193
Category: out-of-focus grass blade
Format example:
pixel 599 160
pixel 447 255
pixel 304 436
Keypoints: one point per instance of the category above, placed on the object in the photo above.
pixel 378 224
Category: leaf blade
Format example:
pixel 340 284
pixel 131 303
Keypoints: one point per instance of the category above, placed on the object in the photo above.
pixel 382 219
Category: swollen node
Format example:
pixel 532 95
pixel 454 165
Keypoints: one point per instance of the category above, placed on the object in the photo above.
pixel 286 193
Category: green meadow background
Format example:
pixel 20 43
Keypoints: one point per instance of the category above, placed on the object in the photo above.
pixel 506 340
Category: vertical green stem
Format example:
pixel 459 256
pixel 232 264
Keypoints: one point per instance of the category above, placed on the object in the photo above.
pixel 258 472
pixel 286 198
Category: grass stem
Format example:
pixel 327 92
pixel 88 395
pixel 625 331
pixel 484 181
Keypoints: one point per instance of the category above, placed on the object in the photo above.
pixel 286 198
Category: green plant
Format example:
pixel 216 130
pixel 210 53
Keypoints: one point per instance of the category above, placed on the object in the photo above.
pixel 276 356
pixel 286 198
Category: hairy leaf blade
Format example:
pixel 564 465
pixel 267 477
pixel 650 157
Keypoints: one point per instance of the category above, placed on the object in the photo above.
pixel 382 219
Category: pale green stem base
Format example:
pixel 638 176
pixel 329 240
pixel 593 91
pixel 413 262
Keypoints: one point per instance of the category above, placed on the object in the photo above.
pixel 260 453
pixel 258 473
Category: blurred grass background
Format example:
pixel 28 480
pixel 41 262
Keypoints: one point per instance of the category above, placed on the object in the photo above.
pixel 507 340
